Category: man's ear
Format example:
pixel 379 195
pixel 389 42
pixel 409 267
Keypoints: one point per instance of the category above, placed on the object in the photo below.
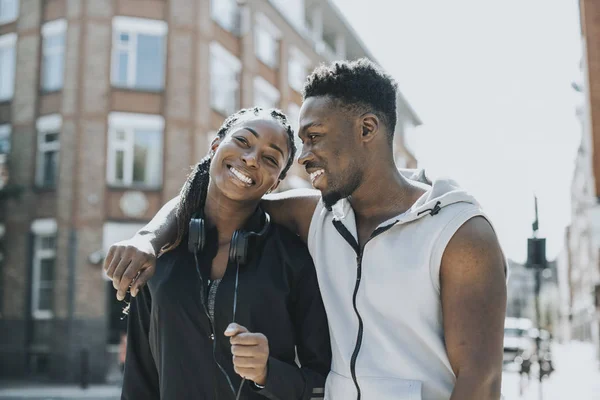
pixel 369 125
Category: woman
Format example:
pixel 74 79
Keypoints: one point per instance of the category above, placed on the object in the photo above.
pixel 234 296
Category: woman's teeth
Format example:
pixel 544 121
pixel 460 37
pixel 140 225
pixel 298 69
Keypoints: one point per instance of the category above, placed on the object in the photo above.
pixel 241 176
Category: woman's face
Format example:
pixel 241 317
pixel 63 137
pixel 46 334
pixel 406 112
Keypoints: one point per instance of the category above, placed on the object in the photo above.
pixel 248 162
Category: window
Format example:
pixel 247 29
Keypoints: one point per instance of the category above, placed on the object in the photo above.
pixel 135 150
pixel 44 262
pixel 9 10
pixel 138 57
pixel 7 66
pixel 266 41
pixel 227 14
pixel 53 58
pixel 225 71
pixel 48 128
pixel 265 94
pixel 297 69
pixel 5 139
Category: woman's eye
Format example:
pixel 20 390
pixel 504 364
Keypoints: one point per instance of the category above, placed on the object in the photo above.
pixel 272 161
pixel 241 140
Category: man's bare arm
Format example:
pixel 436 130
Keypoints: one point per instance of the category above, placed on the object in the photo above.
pixel 473 292
pixel 293 209
pixel 136 257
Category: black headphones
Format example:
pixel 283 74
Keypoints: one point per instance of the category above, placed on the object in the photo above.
pixel 241 241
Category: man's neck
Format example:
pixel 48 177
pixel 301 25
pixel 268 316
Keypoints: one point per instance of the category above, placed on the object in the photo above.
pixel 225 214
pixel 383 194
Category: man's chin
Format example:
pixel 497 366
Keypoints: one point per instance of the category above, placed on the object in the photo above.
pixel 330 198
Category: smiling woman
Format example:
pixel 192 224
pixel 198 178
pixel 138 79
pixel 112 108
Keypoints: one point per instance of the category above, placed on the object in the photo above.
pixel 234 296
pixel 246 139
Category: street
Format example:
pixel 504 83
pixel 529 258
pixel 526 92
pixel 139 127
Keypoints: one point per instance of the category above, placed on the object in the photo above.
pixel 577 377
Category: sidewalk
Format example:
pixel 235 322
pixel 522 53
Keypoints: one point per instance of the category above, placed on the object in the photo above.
pixel 58 392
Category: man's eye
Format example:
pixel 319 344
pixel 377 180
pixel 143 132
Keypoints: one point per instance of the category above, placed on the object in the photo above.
pixel 312 136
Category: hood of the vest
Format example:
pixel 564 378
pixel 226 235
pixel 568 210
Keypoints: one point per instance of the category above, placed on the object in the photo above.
pixel 439 193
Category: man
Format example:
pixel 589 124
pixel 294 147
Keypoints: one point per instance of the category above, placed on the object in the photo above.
pixel 411 274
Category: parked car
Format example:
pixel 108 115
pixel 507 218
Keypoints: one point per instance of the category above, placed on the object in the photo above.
pixel 518 340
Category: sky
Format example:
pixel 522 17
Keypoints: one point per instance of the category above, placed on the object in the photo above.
pixel 491 81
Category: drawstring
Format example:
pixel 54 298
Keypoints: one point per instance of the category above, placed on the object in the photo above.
pixel 432 211
pixel 235 292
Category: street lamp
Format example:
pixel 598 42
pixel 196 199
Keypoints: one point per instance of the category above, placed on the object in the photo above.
pixel 536 260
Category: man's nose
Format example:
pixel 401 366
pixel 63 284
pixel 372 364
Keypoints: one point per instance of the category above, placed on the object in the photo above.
pixel 305 156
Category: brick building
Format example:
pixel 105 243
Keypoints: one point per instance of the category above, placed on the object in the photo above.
pixel 104 105
pixel 581 265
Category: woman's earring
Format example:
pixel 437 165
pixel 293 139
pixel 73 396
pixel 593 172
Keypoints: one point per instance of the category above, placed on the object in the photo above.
pixel 211 154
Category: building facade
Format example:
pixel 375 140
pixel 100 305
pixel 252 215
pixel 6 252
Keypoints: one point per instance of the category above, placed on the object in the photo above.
pixel 104 106
pixel 581 261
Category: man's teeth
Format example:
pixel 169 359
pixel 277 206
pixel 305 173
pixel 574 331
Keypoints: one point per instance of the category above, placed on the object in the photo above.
pixel 241 176
pixel 316 174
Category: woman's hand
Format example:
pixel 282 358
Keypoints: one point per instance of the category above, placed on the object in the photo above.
pixel 250 353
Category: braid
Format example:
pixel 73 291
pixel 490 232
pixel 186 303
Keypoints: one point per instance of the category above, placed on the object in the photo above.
pixel 192 196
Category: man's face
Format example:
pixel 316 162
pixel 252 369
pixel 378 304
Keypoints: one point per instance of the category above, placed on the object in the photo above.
pixel 331 150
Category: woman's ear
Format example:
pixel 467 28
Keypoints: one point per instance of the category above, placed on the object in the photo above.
pixel 214 145
pixel 275 186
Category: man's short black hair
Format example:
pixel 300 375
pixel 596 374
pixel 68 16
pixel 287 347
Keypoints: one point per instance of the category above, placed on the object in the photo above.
pixel 358 85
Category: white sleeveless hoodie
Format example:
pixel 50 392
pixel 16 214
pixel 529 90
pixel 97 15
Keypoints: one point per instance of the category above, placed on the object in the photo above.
pixel 383 305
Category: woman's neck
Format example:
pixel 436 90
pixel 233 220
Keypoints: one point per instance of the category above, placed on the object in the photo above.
pixel 225 214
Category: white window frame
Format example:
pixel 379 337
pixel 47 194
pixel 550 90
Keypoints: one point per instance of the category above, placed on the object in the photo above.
pixel 130 122
pixel 9 41
pixel 49 30
pixel 224 22
pixel 45 125
pixel 134 26
pixel 218 52
pixel 10 18
pixel 268 90
pixel 5 133
pixel 41 228
pixel 265 26
pixel 296 56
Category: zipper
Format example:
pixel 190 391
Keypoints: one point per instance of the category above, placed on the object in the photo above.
pixel 343 231
pixel 212 336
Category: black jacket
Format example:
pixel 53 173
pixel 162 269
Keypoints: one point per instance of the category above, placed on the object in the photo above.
pixel 170 349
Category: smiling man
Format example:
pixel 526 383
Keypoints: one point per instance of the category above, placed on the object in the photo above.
pixel 411 273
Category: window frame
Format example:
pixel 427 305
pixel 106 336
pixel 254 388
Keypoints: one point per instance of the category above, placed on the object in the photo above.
pixel 219 54
pixel 269 91
pixel 133 27
pixel 42 228
pixel 266 26
pixel 48 124
pixel 10 18
pixel 9 41
pixel 130 122
pixel 49 30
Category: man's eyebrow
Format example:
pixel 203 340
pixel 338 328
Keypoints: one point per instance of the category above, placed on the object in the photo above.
pixel 310 125
pixel 272 145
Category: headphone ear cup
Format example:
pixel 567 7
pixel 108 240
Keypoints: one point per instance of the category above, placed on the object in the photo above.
pixel 238 249
pixel 196 236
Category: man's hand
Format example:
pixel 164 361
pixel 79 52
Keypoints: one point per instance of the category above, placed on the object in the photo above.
pixel 250 353
pixel 130 261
